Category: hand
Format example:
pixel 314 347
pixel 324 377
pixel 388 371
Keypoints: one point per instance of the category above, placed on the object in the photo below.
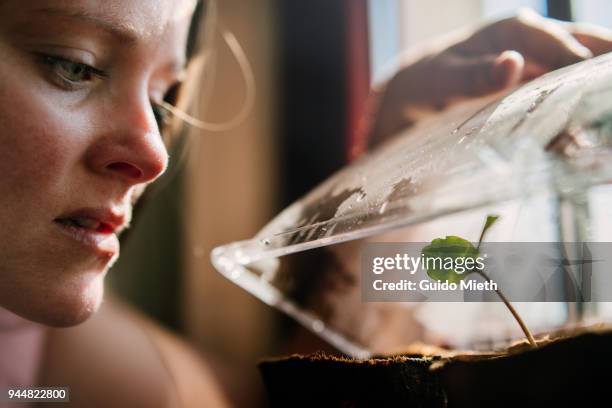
pixel 494 58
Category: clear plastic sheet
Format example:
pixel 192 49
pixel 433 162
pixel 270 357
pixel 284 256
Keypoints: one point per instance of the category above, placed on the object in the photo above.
pixel 547 142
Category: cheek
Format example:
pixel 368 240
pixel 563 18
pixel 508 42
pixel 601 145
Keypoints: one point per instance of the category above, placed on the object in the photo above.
pixel 40 141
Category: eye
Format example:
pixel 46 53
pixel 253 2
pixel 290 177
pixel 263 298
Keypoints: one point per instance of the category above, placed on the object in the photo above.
pixel 162 115
pixel 172 93
pixel 71 73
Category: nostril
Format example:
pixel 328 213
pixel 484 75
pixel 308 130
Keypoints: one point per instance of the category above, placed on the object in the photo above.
pixel 126 169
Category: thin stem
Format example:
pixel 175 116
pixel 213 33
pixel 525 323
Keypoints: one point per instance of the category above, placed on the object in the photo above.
pixel 520 321
pixel 480 240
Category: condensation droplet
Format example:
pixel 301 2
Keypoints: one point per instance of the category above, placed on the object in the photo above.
pixel 383 207
pixel 318 326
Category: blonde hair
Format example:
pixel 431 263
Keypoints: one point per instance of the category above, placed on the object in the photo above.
pixel 196 91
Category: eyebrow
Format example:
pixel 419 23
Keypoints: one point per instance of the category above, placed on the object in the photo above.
pixel 121 32
pixel 124 33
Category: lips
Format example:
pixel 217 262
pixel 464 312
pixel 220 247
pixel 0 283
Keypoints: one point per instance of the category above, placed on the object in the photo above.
pixel 103 221
pixel 87 223
pixel 95 228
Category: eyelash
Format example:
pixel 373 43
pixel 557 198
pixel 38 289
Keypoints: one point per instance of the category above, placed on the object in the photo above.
pixel 162 116
pixel 55 65
pixel 53 61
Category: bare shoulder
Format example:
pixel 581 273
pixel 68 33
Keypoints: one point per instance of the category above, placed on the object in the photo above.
pixel 120 358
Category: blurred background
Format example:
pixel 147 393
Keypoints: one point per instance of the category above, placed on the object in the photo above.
pixel 314 62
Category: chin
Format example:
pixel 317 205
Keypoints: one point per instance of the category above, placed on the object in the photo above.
pixel 62 303
pixel 73 307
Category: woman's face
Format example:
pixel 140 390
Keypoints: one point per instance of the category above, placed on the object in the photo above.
pixel 79 140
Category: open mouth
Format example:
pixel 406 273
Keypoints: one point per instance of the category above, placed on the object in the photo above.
pixel 86 223
pixel 98 236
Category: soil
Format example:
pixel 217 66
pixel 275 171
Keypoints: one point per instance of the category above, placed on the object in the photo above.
pixel 568 368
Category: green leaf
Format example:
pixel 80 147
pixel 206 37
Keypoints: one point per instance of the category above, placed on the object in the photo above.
pixel 443 254
pixel 488 224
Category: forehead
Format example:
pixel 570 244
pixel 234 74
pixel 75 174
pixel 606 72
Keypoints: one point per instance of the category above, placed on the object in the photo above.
pixel 128 20
pixel 146 17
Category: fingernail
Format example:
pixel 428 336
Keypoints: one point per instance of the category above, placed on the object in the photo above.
pixel 510 54
pixel 583 51
pixel 509 67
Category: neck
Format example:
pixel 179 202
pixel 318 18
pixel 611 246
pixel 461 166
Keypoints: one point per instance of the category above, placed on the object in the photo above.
pixel 21 346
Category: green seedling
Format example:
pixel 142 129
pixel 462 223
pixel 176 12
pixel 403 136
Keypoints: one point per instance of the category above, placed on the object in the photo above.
pixel 457 247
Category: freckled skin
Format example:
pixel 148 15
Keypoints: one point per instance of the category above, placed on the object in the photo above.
pixel 60 147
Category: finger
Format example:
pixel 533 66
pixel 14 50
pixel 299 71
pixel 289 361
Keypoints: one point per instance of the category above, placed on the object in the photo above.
pixel 547 42
pixel 596 38
pixel 541 41
pixel 533 70
pixel 470 77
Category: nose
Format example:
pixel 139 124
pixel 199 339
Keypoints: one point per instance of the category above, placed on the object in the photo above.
pixel 129 147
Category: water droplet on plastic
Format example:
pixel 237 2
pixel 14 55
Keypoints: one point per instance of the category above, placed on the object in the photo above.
pixel 265 241
pixel 532 107
pixel 471 131
pixel 383 207
pixel 318 326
